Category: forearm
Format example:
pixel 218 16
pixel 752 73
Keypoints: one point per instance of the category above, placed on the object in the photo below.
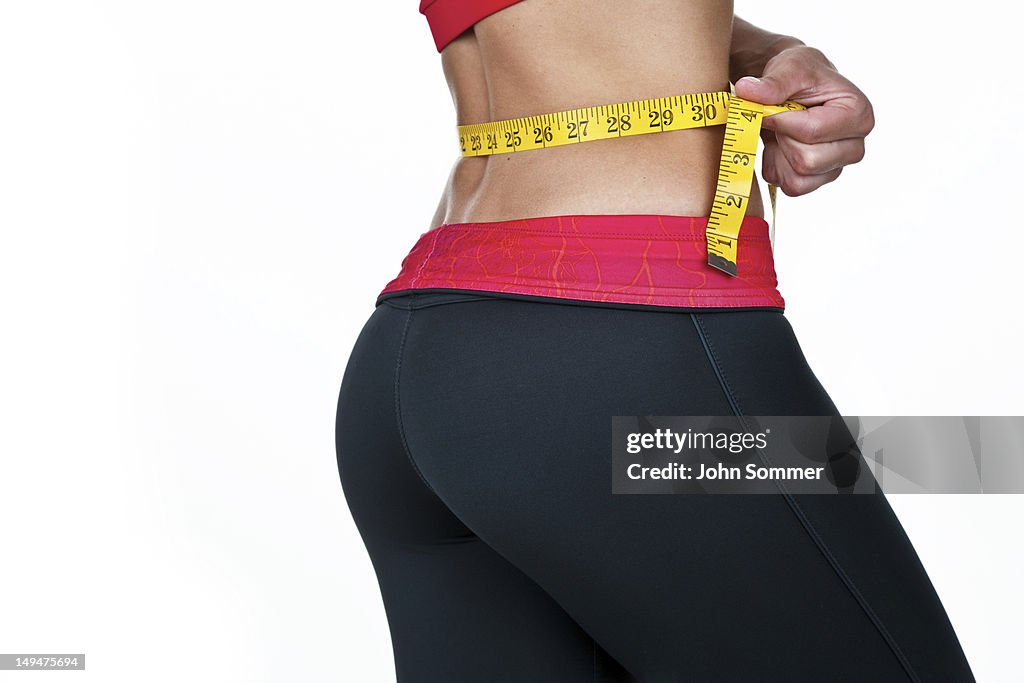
pixel 752 47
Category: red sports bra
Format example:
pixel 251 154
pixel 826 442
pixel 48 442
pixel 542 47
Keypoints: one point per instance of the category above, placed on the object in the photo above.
pixel 449 18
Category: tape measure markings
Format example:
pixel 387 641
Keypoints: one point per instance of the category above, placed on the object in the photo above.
pixel 742 120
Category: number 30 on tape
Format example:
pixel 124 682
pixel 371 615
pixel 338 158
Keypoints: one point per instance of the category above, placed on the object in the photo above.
pixel 741 118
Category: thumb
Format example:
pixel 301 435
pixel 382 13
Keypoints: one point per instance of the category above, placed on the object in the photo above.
pixel 768 89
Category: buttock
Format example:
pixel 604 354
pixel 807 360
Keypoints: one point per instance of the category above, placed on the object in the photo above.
pixel 474 444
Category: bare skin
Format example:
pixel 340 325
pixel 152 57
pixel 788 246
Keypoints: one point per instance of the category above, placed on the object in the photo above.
pixel 541 56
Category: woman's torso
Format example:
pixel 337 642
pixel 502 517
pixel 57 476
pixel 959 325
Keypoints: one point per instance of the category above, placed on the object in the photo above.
pixel 540 56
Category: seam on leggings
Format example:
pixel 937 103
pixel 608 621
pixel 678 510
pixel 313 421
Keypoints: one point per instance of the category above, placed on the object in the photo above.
pixel 730 396
pixel 465 298
pixel 397 307
pixel 398 403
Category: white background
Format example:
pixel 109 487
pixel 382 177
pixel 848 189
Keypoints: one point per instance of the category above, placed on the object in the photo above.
pixel 191 240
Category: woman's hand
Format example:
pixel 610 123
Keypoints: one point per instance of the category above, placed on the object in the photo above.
pixel 805 149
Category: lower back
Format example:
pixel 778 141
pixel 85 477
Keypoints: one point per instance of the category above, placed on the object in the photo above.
pixel 541 56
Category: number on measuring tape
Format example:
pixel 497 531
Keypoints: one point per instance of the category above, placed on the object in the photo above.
pixel 741 118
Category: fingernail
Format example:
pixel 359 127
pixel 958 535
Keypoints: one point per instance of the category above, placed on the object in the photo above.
pixel 752 79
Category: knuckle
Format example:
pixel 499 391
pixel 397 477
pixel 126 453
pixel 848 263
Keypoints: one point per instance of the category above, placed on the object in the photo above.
pixel 802 185
pixel 792 187
pixel 819 54
pixel 868 117
pixel 803 162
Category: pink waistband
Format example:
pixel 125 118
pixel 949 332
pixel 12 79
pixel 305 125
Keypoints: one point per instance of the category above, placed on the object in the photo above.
pixel 623 258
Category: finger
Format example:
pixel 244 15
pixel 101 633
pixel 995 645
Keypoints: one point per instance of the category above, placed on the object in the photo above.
pixel 774 88
pixel 820 158
pixel 804 184
pixel 776 169
pixel 802 74
pixel 836 119
pixel 769 168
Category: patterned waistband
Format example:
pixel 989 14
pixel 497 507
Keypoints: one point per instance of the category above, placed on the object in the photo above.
pixel 647 259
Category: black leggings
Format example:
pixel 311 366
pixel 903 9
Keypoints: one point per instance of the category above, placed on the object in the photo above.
pixel 474 445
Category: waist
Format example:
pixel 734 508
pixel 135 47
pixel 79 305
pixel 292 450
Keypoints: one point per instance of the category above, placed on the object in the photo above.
pixel 671 173
pixel 647 259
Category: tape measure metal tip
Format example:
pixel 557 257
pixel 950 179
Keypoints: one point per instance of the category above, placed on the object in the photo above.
pixel 727 267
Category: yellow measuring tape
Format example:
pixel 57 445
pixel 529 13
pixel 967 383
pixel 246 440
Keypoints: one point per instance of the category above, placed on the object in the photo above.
pixel 742 119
